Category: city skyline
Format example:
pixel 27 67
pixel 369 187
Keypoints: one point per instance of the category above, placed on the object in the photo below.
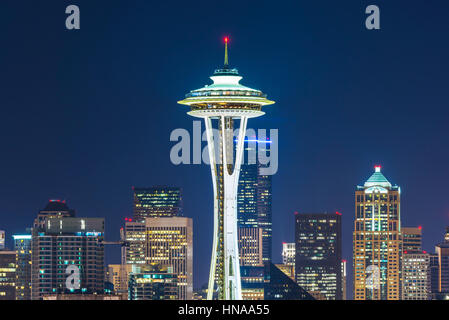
pixel 99 106
pixel 412 237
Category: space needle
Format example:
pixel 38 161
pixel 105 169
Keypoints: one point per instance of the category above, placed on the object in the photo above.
pixel 225 105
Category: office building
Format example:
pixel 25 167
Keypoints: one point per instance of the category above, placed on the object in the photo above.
pixel 254 198
pixel 264 212
pixel 247 216
pixel 7 275
pixel 22 246
pixel 167 242
pixel 377 245
pixel 411 238
pixel 156 202
pixel 415 275
pixel 63 247
pixel 318 254
pixel 135 237
pixel 250 246
pixel 152 282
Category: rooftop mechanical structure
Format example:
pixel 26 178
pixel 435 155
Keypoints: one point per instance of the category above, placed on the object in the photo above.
pixel 225 105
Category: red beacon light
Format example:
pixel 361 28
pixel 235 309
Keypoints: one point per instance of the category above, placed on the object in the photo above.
pixel 338 213
pixel 226 39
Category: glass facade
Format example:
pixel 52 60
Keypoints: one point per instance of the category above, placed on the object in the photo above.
pixel 157 202
pixel 318 254
pixel 254 199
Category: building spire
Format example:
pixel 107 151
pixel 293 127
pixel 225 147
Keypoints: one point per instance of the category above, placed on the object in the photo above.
pixel 226 62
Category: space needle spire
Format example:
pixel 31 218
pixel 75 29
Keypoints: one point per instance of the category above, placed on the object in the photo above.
pixel 226 62
pixel 226 105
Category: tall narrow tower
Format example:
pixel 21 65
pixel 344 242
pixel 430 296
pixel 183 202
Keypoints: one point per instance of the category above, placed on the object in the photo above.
pixel 377 244
pixel 230 105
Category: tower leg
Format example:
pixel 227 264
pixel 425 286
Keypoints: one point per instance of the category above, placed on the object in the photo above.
pixel 213 167
pixel 225 264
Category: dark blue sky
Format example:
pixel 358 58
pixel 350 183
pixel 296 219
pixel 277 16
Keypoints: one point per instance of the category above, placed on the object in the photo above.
pixel 87 114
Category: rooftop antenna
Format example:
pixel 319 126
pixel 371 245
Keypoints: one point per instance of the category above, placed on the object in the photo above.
pixel 226 62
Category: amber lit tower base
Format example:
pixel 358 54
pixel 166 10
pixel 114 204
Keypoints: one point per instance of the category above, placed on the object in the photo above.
pixel 227 103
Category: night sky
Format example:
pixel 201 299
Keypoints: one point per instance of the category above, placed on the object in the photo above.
pixel 86 115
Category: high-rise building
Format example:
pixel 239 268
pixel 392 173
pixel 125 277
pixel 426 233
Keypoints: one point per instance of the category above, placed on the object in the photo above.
pixel 22 246
pixel 2 240
pixel 288 253
pixel 156 202
pixel 254 200
pixel 264 212
pixel 278 286
pixel 415 275
pixel 64 247
pixel 318 254
pixel 230 104
pixel 152 282
pixel 135 237
pixel 250 246
pixel 7 275
pixel 254 222
pixel 411 238
pixel 168 242
pixel 377 240
pixel 247 216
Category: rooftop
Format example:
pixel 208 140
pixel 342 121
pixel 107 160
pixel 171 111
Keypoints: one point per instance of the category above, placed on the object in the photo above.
pixel 377 179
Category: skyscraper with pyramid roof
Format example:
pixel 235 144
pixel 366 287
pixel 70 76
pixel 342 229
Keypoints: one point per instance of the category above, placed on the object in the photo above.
pixel 377 239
